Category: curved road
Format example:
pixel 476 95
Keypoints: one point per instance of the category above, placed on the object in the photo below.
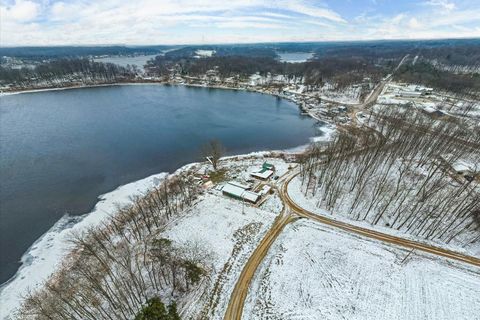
pixel 239 293
pixel 292 211
pixel 384 237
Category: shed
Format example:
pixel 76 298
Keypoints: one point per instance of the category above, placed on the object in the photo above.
pixel 265 190
pixel 239 193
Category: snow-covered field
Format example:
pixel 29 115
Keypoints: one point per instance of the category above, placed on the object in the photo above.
pixel 47 253
pixel 309 203
pixel 228 232
pixel 316 272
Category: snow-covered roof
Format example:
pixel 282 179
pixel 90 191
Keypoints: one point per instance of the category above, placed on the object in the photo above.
pixel 238 184
pixel 239 192
pixel 264 174
pixel 265 189
pixel 250 196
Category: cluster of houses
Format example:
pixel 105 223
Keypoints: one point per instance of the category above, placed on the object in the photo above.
pixel 244 192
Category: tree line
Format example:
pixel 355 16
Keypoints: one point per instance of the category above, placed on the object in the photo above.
pixel 399 176
pixel 118 270
pixel 424 72
pixel 342 71
pixel 65 71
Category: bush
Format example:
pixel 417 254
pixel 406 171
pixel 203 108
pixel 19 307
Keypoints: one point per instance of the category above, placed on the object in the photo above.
pixel 155 310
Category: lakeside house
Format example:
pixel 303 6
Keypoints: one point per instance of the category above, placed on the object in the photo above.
pixel 265 172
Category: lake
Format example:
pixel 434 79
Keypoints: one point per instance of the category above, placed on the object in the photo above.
pixel 123 61
pixel 294 57
pixel 61 149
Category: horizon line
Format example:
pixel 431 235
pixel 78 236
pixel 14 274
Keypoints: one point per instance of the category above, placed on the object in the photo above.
pixel 239 43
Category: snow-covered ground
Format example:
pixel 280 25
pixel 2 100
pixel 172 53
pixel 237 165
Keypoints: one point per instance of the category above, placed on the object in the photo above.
pixel 48 252
pixel 294 57
pixel 310 203
pixel 229 232
pixel 398 93
pixel 328 133
pixel 316 272
pixel 349 95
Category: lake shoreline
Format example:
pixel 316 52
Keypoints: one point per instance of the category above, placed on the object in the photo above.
pixel 164 83
pixel 52 249
pixel 32 258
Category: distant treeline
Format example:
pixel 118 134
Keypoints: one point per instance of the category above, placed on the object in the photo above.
pixel 425 73
pixel 444 64
pixel 464 55
pixel 76 51
pixel 58 72
pixel 340 63
pixel 461 51
pixel 340 71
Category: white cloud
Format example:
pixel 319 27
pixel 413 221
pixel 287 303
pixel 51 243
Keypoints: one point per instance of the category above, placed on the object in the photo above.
pixel 22 11
pixel 200 21
pixel 398 18
pixel 444 4
pixel 247 24
pixel 414 24
pixel 313 11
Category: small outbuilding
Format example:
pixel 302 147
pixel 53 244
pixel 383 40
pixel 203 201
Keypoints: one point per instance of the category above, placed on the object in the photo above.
pixel 240 193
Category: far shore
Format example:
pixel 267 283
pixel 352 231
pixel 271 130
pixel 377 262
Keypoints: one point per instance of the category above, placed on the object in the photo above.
pixel 157 82
pixel 129 83
pixel 76 86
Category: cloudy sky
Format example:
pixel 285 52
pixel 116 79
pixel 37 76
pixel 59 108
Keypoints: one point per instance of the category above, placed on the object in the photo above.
pixel 51 22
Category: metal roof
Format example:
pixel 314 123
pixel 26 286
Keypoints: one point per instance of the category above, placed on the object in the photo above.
pixel 239 192
pixel 264 174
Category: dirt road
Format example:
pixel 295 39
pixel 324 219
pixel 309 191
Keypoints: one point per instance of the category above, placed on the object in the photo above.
pixel 410 244
pixel 239 293
pixel 293 211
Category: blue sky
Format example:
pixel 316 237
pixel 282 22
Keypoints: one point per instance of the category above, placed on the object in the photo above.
pixel 51 22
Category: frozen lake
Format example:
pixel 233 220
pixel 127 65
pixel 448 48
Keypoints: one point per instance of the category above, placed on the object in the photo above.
pixel 139 61
pixel 295 57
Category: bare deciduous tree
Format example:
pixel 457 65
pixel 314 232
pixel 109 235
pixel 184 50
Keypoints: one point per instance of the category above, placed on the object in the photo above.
pixel 213 151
